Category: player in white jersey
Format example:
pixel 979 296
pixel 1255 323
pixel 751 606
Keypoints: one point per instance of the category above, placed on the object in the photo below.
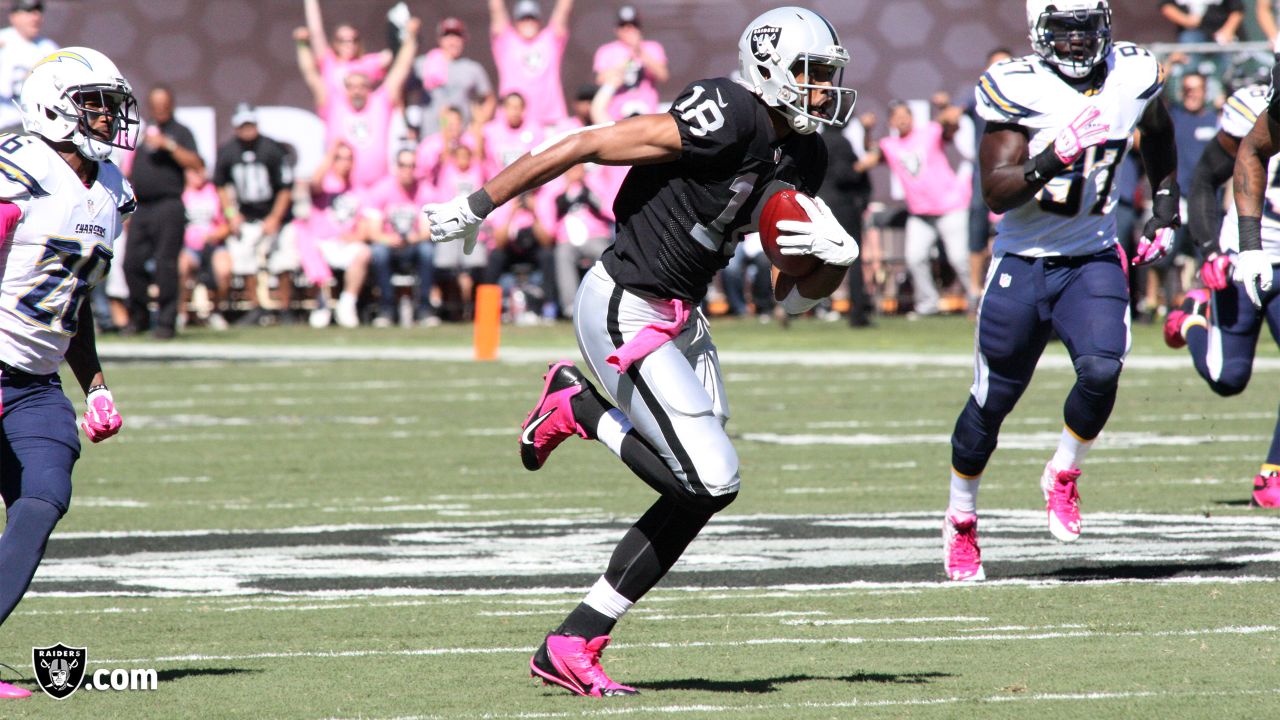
pixel 62 206
pixel 1058 124
pixel 1220 323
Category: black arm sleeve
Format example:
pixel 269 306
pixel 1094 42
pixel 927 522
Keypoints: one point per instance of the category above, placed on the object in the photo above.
pixel 1203 205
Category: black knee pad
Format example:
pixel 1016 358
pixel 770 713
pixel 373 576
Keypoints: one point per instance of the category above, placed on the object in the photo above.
pixel 1097 373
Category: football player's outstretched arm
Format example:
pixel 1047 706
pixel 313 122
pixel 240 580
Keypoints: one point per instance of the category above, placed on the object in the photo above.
pixel 640 140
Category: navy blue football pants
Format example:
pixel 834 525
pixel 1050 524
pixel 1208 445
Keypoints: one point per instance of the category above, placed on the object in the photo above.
pixel 39 445
pixel 1223 354
pixel 1085 300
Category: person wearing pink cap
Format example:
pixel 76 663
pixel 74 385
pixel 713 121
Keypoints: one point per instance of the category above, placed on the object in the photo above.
pixel 451 80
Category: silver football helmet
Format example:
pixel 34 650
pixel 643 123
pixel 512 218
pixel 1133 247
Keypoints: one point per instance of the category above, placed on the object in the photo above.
pixel 1082 27
pixel 787 53
pixel 68 91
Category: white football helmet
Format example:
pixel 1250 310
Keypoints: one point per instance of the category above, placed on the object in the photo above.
pixel 68 91
pixel 1057 21
pixel 788 42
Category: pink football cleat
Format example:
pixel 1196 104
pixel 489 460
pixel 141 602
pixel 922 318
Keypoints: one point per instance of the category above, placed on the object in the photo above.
pixel 1173 330
pixel 961 556
pixel 1266 490
pixel 551 422
pixel 12 692
pixel 1062 500
pixel 573 663
pixel 1195 303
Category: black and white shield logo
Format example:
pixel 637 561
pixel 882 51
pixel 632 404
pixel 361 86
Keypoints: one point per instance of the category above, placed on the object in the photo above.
pixel 764 40
pixel 59 669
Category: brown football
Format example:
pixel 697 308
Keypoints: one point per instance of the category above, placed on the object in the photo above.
pixel 782 205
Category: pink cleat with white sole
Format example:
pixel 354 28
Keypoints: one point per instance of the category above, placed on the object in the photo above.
pixel 1266 490
pixel 961 556
pixel 573 663
pixel 551 422
pixel 1062 501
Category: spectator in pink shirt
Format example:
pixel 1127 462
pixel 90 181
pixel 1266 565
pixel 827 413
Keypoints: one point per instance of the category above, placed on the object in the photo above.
pixel 332 61
pixel 524 234
pixel 510 135
pixel 361 114
pixel 331 235
pixel 937 199
pixel 204 258
pixel 399 238
pixel 436 149
pixel 459 174
pixel 637 66
pixel 528 55
pixel 453 81
pixel 583 227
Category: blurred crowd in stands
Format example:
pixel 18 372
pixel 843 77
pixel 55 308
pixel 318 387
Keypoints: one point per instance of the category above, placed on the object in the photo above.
pixel 247 242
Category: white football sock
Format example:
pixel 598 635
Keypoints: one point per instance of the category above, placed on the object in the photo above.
pixel 613 427
pixel 964 493
pixel 605 600
pixel 1071 451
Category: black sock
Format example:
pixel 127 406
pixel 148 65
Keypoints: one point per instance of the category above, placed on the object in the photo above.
pixel 585 621
pixel 588 408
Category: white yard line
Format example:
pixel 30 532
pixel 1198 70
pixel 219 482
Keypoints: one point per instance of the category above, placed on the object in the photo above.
pixel 754 642
pixel 779 709
pixel 315 353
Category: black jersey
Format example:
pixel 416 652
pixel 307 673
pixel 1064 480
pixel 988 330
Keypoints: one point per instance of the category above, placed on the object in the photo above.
pixel 680 222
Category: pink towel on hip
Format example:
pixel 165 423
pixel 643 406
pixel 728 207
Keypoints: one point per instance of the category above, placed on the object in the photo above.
pixel 651 337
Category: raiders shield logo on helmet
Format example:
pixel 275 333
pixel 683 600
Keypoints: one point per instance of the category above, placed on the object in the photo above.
pixel 764 40
pixel 59 669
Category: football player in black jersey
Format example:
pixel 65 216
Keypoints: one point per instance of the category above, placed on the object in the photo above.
pixel 700 175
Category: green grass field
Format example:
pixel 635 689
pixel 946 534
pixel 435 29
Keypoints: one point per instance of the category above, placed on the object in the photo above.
pixel 356 538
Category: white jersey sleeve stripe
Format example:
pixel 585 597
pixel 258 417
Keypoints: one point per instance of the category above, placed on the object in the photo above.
pixel 1249 115
pixel 996 99
pixel 22 177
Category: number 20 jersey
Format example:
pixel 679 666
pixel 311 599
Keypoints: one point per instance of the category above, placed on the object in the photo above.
pixel 1072 214
pixel 679 222
pixel 62 246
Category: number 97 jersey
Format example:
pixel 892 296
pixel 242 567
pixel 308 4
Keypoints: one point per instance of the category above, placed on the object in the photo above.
pixel 62 246
pixel 1072 214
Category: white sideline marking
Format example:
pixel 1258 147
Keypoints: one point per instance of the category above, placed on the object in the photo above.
pixel 888 621
pixel 1016 441
pixel 843 704
pixel 317 353
pixel 754 642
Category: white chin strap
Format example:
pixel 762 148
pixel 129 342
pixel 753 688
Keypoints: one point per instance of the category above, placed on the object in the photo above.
pixel 804 125
pixel 90 148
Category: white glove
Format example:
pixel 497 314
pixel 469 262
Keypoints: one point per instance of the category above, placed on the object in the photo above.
pixel 822 236
pixel 1081 134
pixel 1253 270
pixel 453 221
pixel 398 16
